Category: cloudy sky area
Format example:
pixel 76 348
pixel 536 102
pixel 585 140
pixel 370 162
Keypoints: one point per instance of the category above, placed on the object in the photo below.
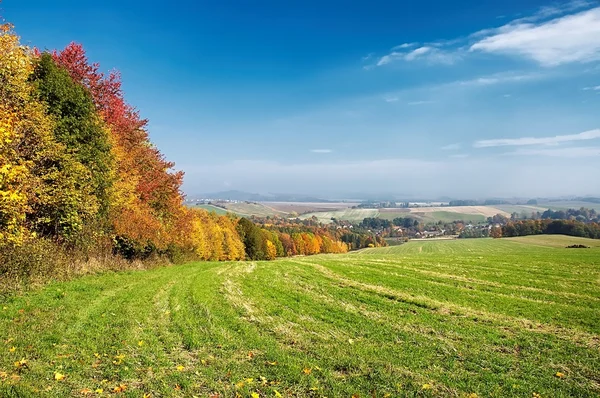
pixel 460 98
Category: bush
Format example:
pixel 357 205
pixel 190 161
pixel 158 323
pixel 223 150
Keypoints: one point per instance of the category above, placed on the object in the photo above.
pixel 40 260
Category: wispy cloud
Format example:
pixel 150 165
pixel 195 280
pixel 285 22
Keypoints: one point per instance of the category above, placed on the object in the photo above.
pixel 404 46
pixel 586 135
pixel 321 150
pixel 566 39
pixel 574 152
pixel 391 99
pixel 451 147
pixel 595 88
pixel 429 54
pixel 420 102
pixel 555 35
pixel 500 78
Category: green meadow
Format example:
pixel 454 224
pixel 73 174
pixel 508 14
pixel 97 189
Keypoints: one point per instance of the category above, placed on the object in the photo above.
pixel 449 318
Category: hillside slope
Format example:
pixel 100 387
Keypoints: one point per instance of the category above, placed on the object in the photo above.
pixel 428 318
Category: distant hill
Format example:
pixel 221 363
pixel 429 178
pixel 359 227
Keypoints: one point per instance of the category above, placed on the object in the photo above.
pixel 256 197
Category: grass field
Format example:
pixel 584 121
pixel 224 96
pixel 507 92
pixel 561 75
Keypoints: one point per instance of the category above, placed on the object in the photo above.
pixel 220 211
pixel 498 318
pixel 352 215
pixel 569 205
pixel 423 214
pixel 253 209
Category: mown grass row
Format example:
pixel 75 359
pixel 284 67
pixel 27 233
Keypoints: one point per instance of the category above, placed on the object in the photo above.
pixel 446 318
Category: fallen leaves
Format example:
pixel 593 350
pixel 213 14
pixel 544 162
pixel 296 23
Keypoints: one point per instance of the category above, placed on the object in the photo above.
pixel 120 388
pixel 560 375
pixel 307 371
pixel 21 364
pixel 59 376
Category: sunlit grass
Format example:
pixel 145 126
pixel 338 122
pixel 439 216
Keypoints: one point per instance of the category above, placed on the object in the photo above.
pixel 445 318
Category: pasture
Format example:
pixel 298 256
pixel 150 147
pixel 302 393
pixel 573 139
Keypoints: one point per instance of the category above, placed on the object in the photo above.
pixel 459 318
pixel 219 210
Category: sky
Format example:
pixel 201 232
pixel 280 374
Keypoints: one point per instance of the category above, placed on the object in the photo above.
pixel 467 99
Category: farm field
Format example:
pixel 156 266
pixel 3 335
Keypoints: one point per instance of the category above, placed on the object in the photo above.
pixel 254 209
pixel 308 207
pixel 423 214
pixel 220 211
pixel 569 205
pixel 352 215
pixel 499 318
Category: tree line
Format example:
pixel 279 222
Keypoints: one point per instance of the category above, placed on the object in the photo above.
pixel 548 226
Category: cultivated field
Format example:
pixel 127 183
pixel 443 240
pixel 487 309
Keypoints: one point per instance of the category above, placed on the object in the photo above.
pixel 498 318
pixel 423 214
pixel 220 211
pixel 254 209
pixel 308 207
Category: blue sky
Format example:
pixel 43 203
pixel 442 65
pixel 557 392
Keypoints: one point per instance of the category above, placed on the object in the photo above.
pixel 428 98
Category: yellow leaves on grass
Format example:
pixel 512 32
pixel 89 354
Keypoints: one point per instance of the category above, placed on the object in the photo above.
pixel 180 368
pixel 426 386
pixel 12 349
pixel 21 364
pixel 560 375
pixel 119 359
pixel 536 395
pixel 140 343
pixel 277 394
pixel 120 388
pixel 255 395
pixel 307 371
pixel 59 376
pixel 98 390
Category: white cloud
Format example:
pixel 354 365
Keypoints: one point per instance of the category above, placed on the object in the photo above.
pixel 586 135
pixel 596 88
pixel 404 46
pixel 451 147
pixel 414 54
pixel 420 102
pixel 391 99
pixel 500 78
pixel 321 150
pixel 566 39
pixel 575 152
pixel 428 54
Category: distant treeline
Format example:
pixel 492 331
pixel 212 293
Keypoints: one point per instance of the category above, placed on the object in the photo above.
pixel 548 226
pixel 488 202
pixel 267 240
pixel 300 237
pixel 380 223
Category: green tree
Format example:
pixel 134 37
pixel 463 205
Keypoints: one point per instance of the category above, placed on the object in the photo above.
pixel 77 127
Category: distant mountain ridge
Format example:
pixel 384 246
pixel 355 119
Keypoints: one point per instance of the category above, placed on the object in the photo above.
pixel 256 197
